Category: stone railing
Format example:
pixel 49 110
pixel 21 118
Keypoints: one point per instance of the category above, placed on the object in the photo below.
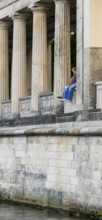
pixel 46 103
pixel 25 107
pixel 6 109
pixel 99 94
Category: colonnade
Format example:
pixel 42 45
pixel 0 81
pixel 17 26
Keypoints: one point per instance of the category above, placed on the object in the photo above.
pixel 41 64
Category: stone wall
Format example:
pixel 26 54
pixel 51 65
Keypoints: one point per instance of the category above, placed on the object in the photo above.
pixel 53 165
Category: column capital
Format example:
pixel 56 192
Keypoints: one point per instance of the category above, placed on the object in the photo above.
pixel 4 24
pixel 21 16
pixel 39 7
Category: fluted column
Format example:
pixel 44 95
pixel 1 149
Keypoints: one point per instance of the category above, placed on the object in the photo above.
pixel 39 54
pixel 49 66
pixel 62 46
pixel 4 70
pixel 19 61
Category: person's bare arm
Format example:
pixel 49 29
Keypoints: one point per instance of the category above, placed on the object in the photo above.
pixel 71 81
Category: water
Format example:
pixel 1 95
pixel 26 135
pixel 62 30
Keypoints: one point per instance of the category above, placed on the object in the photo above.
pixel 21 212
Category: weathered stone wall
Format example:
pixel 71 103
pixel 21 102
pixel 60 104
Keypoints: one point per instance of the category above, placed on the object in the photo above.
pixel 58 170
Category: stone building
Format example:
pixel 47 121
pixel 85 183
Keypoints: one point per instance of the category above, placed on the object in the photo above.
pixel 28 31
pixel 59 162
pixel 28 68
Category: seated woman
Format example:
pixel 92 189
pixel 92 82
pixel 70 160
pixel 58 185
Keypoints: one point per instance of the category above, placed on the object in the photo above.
pixel 69 90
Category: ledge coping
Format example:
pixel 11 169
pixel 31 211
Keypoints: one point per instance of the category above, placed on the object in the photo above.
pixel 46 94
pixel 25 98
pixel 70 129
pixel 6 102
pixel 98 83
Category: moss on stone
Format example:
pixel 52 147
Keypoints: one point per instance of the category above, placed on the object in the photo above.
pixel 68 212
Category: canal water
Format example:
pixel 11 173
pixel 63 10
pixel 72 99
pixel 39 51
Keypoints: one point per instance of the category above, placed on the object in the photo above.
pixel 21 212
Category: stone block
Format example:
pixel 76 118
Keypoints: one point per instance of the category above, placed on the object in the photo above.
pixel 20 154
pixel 58 148
pixel 71 189
pixel 68 156
pixel 6 140
pixel 52 155
pixel 71 172
pixel 20 140
pixel 99 94
pixel 52 170
pixel 96 175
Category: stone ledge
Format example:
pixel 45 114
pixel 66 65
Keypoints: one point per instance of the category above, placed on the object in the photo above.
pixel 71 129
pixel 46 94
pixel 59 117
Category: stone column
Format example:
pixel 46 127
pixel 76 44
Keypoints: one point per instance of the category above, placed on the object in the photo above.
pixel 19 61
pixel 62 47
pixel 39 54
pixel 4 70
pixel 79 91
pixel 92 50
pixel 49 66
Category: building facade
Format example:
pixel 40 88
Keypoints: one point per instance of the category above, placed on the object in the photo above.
pixel 59 162
pixel 28 30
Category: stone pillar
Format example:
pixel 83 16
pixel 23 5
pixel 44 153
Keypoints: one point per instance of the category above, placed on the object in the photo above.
pixel 49 66
pixel 39 54
pixel 19 61
pixel 79 91
pixel 62 47
pixel 4 70
pixel 92 50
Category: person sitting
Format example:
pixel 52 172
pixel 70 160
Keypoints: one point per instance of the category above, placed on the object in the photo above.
pixel 70 89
